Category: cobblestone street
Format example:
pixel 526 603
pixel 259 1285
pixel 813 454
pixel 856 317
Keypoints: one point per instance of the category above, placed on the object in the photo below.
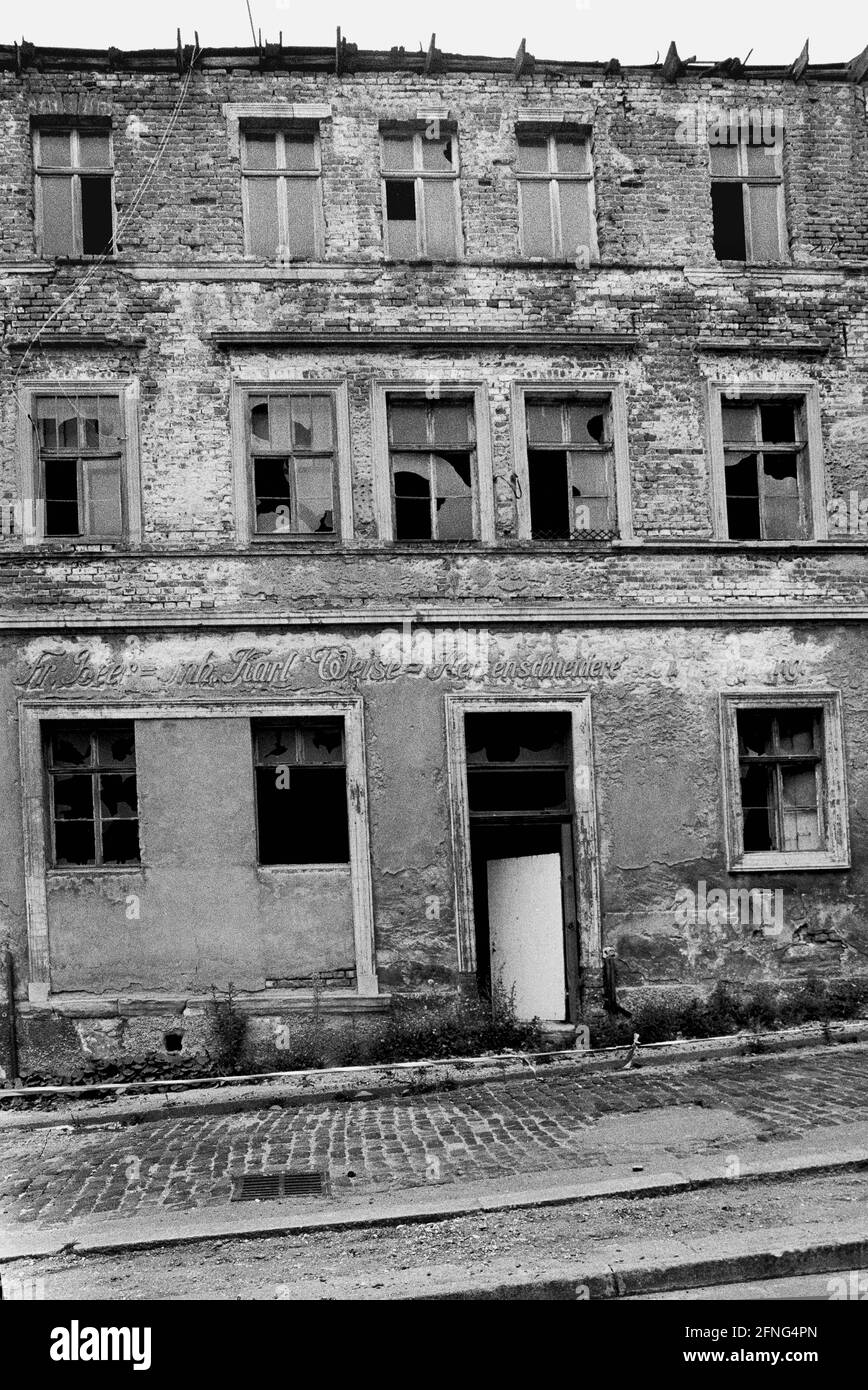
pixel 53 1176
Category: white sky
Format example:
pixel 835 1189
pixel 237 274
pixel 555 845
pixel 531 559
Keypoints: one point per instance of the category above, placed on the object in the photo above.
pixel 632 30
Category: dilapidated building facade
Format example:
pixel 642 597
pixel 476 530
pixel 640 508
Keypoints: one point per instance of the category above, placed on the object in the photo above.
pixel 435 504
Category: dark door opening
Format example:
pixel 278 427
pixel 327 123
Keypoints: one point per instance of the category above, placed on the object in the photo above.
pixel 519 769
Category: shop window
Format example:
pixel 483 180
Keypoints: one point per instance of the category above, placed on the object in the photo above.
pixel 420 193
pixel 768 470
pixel 93 801
pixel 282 194
pixel 301 792
pixel 785 782
pixel 291 446
pixel 74 192
pixel 432 456
pixel 747 194
pixel 556 196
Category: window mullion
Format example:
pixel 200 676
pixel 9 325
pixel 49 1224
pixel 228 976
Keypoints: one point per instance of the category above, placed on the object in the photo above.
pixel 556 221
pixel 432 500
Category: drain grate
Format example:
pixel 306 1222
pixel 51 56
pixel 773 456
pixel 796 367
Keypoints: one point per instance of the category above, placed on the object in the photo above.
pixel 265 1187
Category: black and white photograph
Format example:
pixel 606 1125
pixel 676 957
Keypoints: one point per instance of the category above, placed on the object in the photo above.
pixel 433 673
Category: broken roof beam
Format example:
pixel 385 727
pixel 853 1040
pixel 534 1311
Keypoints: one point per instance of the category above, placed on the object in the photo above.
pixel 524 61
pixel 857 70
pixel 799 67
pixel 673 66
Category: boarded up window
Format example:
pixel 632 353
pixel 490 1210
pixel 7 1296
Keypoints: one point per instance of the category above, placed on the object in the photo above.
pixel 556 197
pixel 747 189
pixel 767 470
pixel 301 792
pixel 420 182
pixel 93 801
pixel 282 190
pixel 781 769
pixel 571 470
pixel 291 442
pixel 432 452
pixel 74 192
pixel 80 446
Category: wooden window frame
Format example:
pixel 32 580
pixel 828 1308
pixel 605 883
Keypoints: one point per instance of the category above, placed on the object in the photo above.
pixel 420 175
pixel 95 771
pixel 30 474
pixel 73 170
pixel 813 501
pixel 245 499
pixel 833 810
pixel 483 495
pixel 566 390
pixel 278 132
pixel 748 179
pixel 555 177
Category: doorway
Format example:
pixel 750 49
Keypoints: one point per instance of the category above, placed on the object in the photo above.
pixel 520 803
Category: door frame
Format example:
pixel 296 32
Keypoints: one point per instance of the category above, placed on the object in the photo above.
pixel 584 826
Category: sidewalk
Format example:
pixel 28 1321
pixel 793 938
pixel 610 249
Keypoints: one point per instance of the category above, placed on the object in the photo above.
pixel 522 1141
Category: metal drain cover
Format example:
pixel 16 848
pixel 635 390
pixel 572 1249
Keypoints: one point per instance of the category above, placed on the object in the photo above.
pixel 265 1187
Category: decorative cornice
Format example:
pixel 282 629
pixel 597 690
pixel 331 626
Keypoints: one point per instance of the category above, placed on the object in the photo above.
pixel 563 339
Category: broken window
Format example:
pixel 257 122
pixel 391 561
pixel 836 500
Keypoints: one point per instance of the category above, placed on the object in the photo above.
pixel 518 764
pixel 74 198
pixel 301 792
pixel 291 444
pixel 282 192
pixel 80 444
pixel 570 465
pixel 93 802
pixel 420 180
pixel 781 770
pixel 766 469
pixel 556 197
pixel 747 192
pixel 432 452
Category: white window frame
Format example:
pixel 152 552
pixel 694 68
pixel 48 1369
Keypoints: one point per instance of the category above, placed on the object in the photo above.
pixel 280 175
pixel 29 471
pixel 808 393
pixel 242 389
pixel 74 170
pixel 616 392
pixel 420 175
pixel 834 806
pixel 483 493
pixel 32 714
pixel 554 177
pixel 746 179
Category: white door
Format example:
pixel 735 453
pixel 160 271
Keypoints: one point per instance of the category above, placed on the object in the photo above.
pixel 526 933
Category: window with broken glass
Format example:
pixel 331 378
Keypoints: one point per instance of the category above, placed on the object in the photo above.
pixel 747 194
pixel 556 197
pixel 766 470
pixel 518 765
pixel 432 455
pixel 281 177
pixel 420 193
pixel 781 775
pixel 291 450
pixel 93 803
pixel 301 792
pixel 570 467
pixel 80 445
pixel 74 196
